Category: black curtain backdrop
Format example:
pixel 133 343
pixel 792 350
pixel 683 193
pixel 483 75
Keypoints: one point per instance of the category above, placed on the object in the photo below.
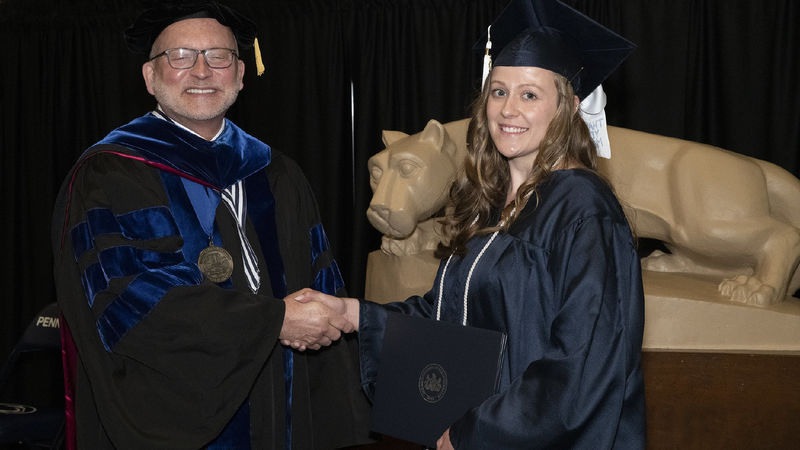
pixel 722 72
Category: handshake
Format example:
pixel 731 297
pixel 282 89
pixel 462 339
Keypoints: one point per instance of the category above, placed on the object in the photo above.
pixel 314 320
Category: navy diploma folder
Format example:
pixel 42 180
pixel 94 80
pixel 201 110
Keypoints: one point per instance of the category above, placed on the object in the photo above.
pixel 430 373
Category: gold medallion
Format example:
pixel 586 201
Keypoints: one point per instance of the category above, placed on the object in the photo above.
pixel 215 263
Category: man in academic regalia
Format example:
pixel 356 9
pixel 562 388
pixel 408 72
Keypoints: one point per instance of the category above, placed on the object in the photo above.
pixel 177 238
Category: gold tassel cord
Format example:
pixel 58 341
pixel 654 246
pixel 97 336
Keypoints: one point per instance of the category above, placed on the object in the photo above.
pixel 259 62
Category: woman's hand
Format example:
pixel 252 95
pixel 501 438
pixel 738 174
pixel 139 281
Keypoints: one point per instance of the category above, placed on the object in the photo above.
pixel 347 308
pixel 443 443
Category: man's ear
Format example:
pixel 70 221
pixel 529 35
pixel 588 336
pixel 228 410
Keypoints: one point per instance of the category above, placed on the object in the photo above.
pixel 149 73
pixel 241 73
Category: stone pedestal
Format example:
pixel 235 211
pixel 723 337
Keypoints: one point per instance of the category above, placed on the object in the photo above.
pixel 392 278
pixel 718 374
pixel 684 312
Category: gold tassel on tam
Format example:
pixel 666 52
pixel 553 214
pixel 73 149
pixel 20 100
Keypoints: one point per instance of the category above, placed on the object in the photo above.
pixel 259 62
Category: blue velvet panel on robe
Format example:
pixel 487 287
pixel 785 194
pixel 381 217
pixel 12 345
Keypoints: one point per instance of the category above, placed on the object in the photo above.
pixel 150 223
pixel 231 157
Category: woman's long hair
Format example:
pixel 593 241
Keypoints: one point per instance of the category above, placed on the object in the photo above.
pixel 482 186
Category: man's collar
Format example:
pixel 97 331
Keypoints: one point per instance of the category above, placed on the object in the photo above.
pixel 162 115
pixel 233 156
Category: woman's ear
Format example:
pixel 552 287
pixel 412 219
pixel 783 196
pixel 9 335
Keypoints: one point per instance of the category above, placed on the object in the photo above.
pixel 577 103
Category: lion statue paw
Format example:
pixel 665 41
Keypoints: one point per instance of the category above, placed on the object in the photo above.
pixel 748 290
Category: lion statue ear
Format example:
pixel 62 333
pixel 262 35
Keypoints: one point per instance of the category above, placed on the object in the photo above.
pixel 433 133
pixel 436 134
pixel 390 137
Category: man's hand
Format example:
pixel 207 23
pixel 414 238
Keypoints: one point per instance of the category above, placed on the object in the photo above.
pixel 311 325
pixel 348 308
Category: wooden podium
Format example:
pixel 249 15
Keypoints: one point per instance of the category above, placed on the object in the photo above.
pixel 718 374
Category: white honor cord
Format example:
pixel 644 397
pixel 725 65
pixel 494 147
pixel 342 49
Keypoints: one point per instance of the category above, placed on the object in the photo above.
pixel 466 285
pixel 469 276
pixel 441 280
pixel 441 288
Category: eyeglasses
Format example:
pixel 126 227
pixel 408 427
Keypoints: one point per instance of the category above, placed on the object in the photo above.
pixel 185 58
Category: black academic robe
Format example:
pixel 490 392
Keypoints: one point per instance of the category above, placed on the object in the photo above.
pixel 565 285
pixel 166 358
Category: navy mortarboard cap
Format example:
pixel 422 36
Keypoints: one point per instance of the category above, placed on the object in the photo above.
pixel 141 35
pixel 553 36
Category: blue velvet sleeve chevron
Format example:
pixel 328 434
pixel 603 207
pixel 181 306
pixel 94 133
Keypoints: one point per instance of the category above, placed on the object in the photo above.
pixel 328 279
pixel 154 273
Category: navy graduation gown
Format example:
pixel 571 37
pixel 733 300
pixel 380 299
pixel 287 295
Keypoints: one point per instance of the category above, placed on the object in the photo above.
pixel 565 285
pixel 165 358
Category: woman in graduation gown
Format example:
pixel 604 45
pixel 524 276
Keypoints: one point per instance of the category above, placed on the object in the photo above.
pixel 538 248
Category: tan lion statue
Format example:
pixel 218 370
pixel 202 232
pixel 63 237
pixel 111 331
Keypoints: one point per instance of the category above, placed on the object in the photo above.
pixel 718 213
pixel 410 181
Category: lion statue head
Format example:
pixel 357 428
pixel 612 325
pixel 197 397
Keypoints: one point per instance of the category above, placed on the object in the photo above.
pixel 410 180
